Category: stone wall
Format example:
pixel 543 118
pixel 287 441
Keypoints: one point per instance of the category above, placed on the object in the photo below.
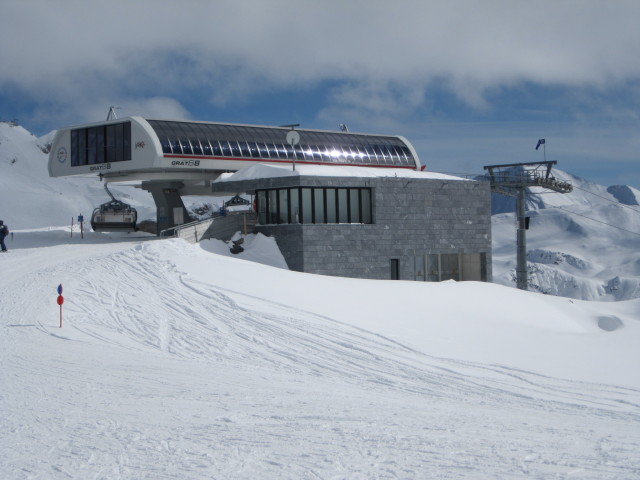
pixel 412 218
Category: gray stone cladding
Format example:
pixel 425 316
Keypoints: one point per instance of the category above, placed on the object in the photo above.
pixel 411 218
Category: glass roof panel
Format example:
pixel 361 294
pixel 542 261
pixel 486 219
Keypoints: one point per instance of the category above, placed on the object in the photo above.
pixel 334 147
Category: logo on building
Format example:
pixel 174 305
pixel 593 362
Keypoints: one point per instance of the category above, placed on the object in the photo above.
pixel 62 155
pixel 186 163
pixel 104 166
pixel 140 144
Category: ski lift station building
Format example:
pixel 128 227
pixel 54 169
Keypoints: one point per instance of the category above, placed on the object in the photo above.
pixel 337 203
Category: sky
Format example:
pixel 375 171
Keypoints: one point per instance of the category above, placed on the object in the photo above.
pixel 468 83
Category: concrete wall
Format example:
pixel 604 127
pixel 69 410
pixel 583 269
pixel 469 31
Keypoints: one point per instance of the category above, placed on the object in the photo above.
pixel 223 228
pixel 412 218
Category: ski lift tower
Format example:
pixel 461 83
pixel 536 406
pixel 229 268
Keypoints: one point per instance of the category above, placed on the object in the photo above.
pixel 513 179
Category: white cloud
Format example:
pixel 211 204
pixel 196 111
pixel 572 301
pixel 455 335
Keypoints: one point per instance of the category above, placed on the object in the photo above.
pixel 91 109
pixel 285 42
pixel 382 60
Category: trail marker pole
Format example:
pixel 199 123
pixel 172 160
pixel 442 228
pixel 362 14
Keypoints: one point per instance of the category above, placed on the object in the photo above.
pixel 81 222
pixel 60 302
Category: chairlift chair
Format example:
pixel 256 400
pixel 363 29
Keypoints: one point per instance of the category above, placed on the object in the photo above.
pixel 114 216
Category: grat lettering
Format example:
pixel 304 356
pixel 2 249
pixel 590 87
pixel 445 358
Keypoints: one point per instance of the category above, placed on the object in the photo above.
pixel 105 166
pixel 186 163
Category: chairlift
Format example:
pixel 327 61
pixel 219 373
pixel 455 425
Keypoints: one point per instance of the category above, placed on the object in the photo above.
pixel 114 216
pixel 236 200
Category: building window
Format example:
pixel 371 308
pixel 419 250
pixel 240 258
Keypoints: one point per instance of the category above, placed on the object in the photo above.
pixel 343 206
pixel 318 205
pixel 454 266
pixel 261 203
pixel 354 206
pixel 395 269
pixel 283 206
pixel 272 212
pixel 294 205
pixel 332 207
pixel 307 207
pixel 103 144
pixel 314 205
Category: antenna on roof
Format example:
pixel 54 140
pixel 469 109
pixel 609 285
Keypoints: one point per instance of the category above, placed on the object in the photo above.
pixel 293 138
pixel 112 113
pixel 344 128
pixel 291 125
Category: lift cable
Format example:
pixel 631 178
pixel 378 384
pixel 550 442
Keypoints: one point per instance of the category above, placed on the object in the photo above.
pixel 598 221
pixel 608 199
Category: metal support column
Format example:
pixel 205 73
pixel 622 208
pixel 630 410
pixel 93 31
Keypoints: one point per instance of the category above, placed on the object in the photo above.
pixel 513 179
pixel 521 241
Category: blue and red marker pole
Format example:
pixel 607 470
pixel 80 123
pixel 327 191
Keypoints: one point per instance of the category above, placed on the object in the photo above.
pixel 60 302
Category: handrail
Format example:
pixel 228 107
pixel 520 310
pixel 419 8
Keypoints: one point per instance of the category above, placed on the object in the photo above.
pixel 175 229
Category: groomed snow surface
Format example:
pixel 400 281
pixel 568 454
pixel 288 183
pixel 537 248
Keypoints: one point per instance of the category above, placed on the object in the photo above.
pixel 179 361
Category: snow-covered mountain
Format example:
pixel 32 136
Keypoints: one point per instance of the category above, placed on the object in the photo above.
pixel 585 193
pixel 584 244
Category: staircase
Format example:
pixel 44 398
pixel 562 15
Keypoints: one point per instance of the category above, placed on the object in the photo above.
pixel 218 227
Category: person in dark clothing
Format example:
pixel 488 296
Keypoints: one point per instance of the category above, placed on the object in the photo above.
pixel 4 231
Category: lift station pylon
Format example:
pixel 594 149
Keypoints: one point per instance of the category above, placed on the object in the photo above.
pixel 513 179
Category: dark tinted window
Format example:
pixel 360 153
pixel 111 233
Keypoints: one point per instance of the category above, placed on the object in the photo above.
pixel 101 144
pixel 315 205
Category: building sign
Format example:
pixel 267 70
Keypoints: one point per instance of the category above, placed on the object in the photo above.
pixel 186 163
pixel 62 155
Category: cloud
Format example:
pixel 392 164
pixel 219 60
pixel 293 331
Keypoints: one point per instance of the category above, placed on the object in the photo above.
pixel 96 108
pixel 476 45
pixel 412 67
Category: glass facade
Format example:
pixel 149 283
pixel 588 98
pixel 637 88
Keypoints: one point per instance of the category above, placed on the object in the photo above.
pixel 101 144
pixel 314 205
pixel 453 266
pixel 269 143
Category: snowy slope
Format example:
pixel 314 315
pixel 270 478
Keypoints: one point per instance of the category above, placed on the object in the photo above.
pixel 29 198
pixel 584 245
pixel 178 363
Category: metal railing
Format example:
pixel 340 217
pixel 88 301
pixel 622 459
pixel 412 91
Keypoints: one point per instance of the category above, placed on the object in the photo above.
pixel 198 230
pixel 192 231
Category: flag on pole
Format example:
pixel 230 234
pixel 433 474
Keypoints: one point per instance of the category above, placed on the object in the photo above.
pixel 540 142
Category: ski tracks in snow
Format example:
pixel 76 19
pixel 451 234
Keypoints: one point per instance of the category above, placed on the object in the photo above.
pixel 158 375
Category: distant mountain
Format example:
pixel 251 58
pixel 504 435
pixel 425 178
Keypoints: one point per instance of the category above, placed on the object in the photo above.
pixel 585 193
pixel 584 244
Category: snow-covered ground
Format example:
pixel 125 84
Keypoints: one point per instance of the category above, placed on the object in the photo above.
pixel 179 361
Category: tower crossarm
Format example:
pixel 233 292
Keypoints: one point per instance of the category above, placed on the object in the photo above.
pixel 521 175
